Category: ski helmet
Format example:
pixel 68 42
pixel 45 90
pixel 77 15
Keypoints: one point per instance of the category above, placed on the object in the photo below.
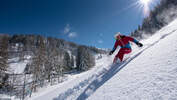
pixel 117 35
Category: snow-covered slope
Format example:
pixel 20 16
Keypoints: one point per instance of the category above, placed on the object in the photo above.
pixel 17 66
pixel 149 74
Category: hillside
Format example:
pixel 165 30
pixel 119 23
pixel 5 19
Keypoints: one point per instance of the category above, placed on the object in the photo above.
pixel 34 61
pixel 160 16
pixel 22 50
pixel 149 73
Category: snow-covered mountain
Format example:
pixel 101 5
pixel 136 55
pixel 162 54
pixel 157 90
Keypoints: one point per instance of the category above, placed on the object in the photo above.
pixel 149 73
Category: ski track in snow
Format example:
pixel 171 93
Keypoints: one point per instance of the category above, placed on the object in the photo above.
pixel 146 87
pixel 80 86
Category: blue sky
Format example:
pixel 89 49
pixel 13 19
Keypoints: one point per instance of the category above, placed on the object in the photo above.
pixel 88 22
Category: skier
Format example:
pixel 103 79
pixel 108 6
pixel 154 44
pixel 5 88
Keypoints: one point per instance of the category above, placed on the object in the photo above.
pixel 124 42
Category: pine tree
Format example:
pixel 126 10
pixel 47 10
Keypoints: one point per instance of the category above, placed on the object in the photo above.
pixel 85 59
pixel 72 61
pixel 67 61
pixel 39 60
pixel 3 53
pixel 3 57
pixel 22 52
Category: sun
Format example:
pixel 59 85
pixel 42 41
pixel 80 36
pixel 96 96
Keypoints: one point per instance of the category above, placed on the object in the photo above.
pixel 144 6
pixel 145 2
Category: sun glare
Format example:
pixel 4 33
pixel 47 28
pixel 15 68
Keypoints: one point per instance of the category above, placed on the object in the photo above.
pixel 144 6
pixel 145 2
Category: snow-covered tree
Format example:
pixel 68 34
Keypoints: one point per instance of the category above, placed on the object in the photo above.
pixel 39 60
pixel 85 59
pixel 3 58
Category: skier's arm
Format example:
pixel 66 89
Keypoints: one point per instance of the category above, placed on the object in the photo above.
pixel 114 48
pixel 135 41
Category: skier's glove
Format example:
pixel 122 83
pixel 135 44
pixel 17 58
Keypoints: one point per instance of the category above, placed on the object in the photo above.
pixel 139 44
pixel 111 52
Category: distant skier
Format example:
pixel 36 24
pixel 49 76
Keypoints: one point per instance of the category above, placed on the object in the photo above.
pixel 124 42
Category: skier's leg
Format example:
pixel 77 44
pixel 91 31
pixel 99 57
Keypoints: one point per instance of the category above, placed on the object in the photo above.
pixel 121 53
pixel 115 59
pixel 127 50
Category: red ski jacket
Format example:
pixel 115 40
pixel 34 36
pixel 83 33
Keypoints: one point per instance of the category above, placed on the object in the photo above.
pixel 124 42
